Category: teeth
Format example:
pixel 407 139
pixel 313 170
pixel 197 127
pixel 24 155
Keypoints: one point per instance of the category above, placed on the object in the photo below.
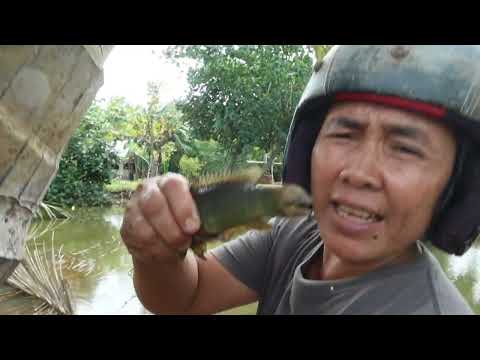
pixel 361 214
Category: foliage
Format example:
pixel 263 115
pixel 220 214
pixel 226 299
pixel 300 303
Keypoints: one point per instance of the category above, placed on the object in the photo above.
pixel 153 133
pixel 86 165
pixel 200 157
pixel 320 50
pixel 122 185
pixel 88 162
pixel 239 107
pixel 243 96
pixel 166 152
pixel 190 167
pixel 210 154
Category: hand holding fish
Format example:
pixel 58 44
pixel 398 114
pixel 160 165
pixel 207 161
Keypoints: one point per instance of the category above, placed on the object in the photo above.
pixel 166 215
pixel 160 219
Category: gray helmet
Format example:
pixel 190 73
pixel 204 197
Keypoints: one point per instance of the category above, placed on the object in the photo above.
pixel 444 79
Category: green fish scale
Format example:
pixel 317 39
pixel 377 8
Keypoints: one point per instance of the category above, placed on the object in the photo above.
pixel 228 205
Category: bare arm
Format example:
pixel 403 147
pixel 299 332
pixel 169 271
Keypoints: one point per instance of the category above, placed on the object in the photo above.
pixel 156 230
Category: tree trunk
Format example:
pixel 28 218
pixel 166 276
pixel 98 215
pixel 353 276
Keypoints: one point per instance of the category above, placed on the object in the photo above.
pixel 131 169
pixel 232 162
pixel 156 163
pixel 270 162
pixel 159 162
pixel 44 92
pixel 157 146
pixel 270 165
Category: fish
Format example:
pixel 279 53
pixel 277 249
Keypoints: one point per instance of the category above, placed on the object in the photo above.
pixel 231 204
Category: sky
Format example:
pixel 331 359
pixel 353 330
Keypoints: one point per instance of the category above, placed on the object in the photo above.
pixel 128 68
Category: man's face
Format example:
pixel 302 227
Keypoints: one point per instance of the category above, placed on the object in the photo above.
pixel 377 174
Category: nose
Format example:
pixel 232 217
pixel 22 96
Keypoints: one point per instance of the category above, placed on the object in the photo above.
pixel 362 169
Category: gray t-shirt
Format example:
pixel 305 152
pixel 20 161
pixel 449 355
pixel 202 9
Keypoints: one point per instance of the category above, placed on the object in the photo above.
pixel 273 264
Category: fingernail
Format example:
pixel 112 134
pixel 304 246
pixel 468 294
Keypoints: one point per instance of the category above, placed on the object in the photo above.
pixel 191 225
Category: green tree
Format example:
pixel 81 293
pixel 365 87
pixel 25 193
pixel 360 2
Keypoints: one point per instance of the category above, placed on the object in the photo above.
pixel 244 96
pixel 190 167
pixel 151 133
pixel 199 158
pixel 87 163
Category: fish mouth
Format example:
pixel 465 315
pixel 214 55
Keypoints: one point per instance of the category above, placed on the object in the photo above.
pixel 305 204
pixel 357 213
pixel 294 201
pixel 298 208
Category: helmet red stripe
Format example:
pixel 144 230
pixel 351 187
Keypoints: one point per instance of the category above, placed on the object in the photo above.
pixel 394 101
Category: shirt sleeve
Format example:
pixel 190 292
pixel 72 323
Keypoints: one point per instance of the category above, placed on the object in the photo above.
pixel 246 258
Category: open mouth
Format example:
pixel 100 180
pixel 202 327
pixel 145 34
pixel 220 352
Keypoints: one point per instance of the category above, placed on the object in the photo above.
pixel 356 214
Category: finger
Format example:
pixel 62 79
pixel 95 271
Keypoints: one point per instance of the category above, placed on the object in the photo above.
pixel 135 229
pixel 140 255
pixel 141 240
pixel 156 211
pixel 176 190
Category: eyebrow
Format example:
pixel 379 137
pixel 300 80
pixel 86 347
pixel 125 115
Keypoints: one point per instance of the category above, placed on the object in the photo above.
pixel 347 122
pixel 405 131
pixel 408 132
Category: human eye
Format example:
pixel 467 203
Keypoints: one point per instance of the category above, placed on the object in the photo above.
pixel 341 135
pixel 408 150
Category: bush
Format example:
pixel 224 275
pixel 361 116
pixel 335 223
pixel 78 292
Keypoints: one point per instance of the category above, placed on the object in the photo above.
pixel 86 165
pixel 117 186
pixel 190 167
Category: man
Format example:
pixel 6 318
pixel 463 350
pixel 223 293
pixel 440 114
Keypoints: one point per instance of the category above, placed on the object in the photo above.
pixel 385 139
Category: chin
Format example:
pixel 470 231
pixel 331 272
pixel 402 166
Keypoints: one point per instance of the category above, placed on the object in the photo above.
pixel 350 250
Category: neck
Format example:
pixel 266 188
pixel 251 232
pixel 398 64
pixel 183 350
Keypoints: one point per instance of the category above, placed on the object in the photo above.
pixel 332 267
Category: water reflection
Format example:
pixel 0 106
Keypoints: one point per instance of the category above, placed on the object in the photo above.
pixel 114 219
pixel 112 295
pixel 93 235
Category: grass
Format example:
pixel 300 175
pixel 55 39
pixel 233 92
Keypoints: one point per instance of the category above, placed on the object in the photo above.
pixel 117 186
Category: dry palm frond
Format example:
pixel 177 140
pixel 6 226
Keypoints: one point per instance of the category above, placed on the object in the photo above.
pixel 38 229
pixel 51 212
pixel 77 265
pixel 9 294
pixel 40 275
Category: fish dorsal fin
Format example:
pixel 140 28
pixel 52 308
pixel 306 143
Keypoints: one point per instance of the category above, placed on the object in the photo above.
pixel 250 175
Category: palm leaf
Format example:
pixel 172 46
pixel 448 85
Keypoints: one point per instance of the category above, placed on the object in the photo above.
pixel 40 275
pixel 50 211
pixel 40 281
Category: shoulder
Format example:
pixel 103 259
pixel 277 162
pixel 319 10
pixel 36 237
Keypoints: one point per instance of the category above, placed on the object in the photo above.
pixel 292 240
pixel 447 299
pixel 295 234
